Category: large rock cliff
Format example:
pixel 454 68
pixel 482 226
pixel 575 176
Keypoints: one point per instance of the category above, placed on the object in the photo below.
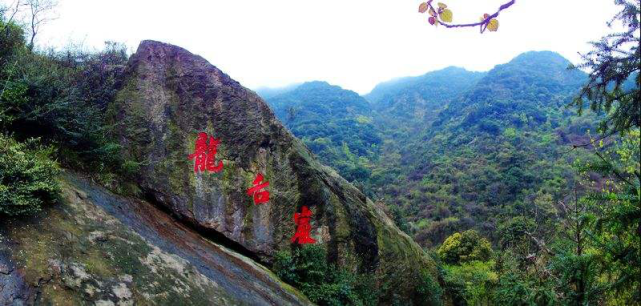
pixel 170 95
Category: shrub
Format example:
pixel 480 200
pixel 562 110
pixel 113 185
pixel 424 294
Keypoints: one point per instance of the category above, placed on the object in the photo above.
pixel 472 281
pixel 12 40
pixel 306 268
pixel 429 290
pixel 465 247
pixel 62 97
pixel 27 177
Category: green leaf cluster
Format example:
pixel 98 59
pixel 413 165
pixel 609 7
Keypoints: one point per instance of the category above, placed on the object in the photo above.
pixel 464 247
pixel 28 177
pixel 307 269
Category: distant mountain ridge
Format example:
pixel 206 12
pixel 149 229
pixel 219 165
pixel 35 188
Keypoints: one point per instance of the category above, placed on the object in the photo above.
pixel 456 147
pixel 392 88
pixel 268 92
pixel 316 92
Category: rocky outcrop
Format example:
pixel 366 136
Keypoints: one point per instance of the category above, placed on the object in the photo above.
pixel 13 288
pixel 170 95
pixel 96 248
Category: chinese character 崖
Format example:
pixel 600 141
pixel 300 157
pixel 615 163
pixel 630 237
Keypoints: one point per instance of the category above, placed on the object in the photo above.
pixel 205 154
pixel 303 227
pixel 260 196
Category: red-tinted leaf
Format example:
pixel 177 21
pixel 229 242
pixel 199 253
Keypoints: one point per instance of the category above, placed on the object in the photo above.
pixel 423 7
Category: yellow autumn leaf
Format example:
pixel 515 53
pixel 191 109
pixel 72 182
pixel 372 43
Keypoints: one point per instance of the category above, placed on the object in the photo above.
pixel 446 15
pixel 493 25
pixel 442 5
pixel 423 7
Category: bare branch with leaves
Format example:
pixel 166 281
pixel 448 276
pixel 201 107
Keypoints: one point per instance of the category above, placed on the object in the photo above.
pixel 443 15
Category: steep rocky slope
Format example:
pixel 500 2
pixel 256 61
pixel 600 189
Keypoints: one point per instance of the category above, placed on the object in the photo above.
pixel 169 96
pixel 99 248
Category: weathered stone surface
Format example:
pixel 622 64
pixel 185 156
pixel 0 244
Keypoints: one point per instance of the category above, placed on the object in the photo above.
pixel 170 95
pixel 102 249
pixel 13 288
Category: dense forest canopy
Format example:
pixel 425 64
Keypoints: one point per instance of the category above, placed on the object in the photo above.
pixel 457 147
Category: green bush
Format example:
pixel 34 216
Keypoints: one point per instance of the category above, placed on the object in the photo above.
pixel 472 281
pixel 62 97
pixel 306 268
pixel 429 290
pixel 27 177
pixel 12 40
pixel 465 247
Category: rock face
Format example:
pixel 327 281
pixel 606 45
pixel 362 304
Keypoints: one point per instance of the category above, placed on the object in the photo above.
pixel 170 95
pixel 96 248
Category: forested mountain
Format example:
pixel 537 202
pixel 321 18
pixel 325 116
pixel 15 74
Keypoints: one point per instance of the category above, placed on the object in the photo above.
pixel 347 130
pixel 454 149
pixel 411 95
pixel 268 92
pixel 405 107
pixel 492 172
pixel 334 123
pixel 489 152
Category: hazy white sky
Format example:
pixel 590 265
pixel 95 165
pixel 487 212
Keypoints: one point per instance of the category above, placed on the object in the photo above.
pixel 352 43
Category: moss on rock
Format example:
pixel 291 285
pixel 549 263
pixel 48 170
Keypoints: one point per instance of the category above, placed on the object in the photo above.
pixel 173 94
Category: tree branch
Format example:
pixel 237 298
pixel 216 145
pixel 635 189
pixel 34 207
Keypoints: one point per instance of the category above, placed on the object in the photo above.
pixel 614 169
pixel 540 243
pixel 483 23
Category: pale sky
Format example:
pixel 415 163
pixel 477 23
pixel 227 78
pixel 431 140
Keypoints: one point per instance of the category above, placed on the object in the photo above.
pixel 351 43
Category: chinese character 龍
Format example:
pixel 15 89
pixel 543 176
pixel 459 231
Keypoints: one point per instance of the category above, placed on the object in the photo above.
pixel 205 154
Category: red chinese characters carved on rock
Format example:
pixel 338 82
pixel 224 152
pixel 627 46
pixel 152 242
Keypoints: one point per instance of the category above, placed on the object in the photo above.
pixel 303 227
pixel 205 154
pixel 260 196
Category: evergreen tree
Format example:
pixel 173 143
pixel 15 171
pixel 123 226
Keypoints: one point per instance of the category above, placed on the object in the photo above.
pixel 614 65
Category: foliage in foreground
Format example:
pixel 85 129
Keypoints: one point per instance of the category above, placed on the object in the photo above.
pixel 306 268
pixel 60 97
pixel 589 255
pixel 614 64
pixel 27 177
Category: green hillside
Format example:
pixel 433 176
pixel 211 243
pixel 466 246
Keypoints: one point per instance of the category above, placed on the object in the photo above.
pixel 334 123
pixel 488 152
pixel 452 149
